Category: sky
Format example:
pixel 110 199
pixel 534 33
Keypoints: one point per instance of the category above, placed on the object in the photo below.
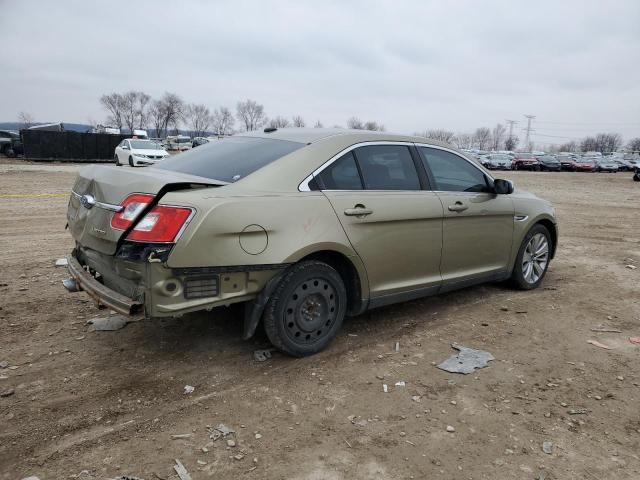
pixel 410 65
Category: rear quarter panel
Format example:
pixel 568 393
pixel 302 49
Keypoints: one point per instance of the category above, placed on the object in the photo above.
pixel 289 226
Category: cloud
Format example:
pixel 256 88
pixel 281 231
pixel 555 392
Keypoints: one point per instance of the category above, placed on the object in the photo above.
pixel 410 65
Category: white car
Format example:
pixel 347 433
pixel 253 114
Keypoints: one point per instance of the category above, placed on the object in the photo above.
pixel 137 152
pixel 179 143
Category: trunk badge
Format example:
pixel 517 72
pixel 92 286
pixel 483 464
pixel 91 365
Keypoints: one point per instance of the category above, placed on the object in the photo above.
pixel 87 201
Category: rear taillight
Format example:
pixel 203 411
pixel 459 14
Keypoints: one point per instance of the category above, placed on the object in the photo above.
pixel 133 205
pixel 161 224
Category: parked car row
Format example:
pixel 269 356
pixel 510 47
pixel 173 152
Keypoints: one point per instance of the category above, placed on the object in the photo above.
pixel 540 161
pixel 10 143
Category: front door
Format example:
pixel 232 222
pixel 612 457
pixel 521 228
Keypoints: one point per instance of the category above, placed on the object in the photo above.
pixel 393 225
pixel 478 224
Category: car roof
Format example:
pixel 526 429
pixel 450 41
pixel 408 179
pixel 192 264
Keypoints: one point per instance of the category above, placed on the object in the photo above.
pixel 314 135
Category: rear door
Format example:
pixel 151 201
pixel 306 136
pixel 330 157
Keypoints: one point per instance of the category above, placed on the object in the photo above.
pixel 478 224
pixel 394 225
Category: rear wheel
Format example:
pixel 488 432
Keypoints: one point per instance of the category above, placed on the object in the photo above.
pixel 636 177
pixel 307 309
pixel 131 164
pixel 533 258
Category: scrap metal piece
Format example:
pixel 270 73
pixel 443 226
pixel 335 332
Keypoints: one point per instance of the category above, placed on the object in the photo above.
pixel 466 361
pixel 181 471
pixel 220 431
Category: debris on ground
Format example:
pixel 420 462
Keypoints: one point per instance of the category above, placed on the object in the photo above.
pixel 450 429
pixel 181 471
pixel 604 329
pixel 108 324
pixel 631 267
pixel 62 262
pixel 635 340
pixel 221 431
pixel 547 447
pixel 188 389
pixel 596 343
pixel 262 355
pixel 7 393
pixel 578 411
pixel 127 477
pixel 31 478
pixel 231 443
pixel 180 436
pixel 4 364
pixel 385 388
pixel 401 384
pixel 466 361
pixel 397 347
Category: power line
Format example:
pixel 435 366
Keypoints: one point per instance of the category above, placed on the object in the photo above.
pixel 590 123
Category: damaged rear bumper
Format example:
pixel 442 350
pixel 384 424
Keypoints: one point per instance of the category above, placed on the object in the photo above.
pixel 99 292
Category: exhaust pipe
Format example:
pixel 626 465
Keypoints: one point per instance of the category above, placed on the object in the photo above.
pixel 71 285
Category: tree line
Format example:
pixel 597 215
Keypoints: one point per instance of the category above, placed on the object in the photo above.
pixel 485 138
pixel 137 110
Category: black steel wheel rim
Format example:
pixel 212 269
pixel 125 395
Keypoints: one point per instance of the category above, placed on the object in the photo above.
pixel 310 311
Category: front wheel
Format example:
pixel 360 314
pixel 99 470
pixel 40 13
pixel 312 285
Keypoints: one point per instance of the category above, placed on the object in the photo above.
pixel 307 309
pixel 533 258
pixel 117 160
pixel 131 164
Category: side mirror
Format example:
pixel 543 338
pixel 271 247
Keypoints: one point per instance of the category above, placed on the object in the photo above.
pixel 502 187
pixel 124 147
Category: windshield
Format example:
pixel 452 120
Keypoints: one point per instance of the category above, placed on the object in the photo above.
pixel 230 159
pixel 183 140
pixel 500 157
pixel 144 145
pixel 548 159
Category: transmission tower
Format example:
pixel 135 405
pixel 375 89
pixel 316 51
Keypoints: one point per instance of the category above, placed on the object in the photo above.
pixel 511 124
pixel 528 130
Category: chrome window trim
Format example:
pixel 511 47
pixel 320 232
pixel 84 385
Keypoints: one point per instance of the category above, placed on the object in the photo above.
pixel 304 185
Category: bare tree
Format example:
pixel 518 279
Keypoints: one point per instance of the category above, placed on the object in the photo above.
pixel 497 136
pixel 251 114
pixel 298 121
pixel 129 109
pixel 482 138
pixel 463 140
pixel 114 104
pixel 199 118
pixel 222 121
pixel 318 124
pixel 25 119
pixel 589 144
pixel 173 111
pixel 155 114
pixel 634 144
pixel 511 143
pixel 278 122
pixel 355 123
pixel 438 134
pixel 374 126
pixel 141 110
pixel 608 142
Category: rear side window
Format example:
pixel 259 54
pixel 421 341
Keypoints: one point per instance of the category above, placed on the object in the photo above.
pixel 453 173
pixel 341 175
pixel 387 167
pixel 229 159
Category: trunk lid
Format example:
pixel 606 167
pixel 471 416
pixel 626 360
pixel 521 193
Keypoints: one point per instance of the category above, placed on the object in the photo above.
pixel 91 225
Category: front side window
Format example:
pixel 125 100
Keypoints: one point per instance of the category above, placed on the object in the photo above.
pixel 387 167
pixel 453 173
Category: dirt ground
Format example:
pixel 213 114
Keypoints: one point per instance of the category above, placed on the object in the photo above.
pixel 95 405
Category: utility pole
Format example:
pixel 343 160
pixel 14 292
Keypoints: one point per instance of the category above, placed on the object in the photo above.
pixel 528 130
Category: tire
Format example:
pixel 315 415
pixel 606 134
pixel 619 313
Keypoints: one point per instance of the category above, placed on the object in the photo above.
pixel 117 160
pixel 306 310
pixel 523 278
pixel 9 152
pixel 131 164
pixel 636 177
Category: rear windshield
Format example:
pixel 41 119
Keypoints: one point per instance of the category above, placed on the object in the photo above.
pixel 229 159
pixel 144 145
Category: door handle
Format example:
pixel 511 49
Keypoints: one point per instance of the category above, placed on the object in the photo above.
pixel 458 207
pixel 358 211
